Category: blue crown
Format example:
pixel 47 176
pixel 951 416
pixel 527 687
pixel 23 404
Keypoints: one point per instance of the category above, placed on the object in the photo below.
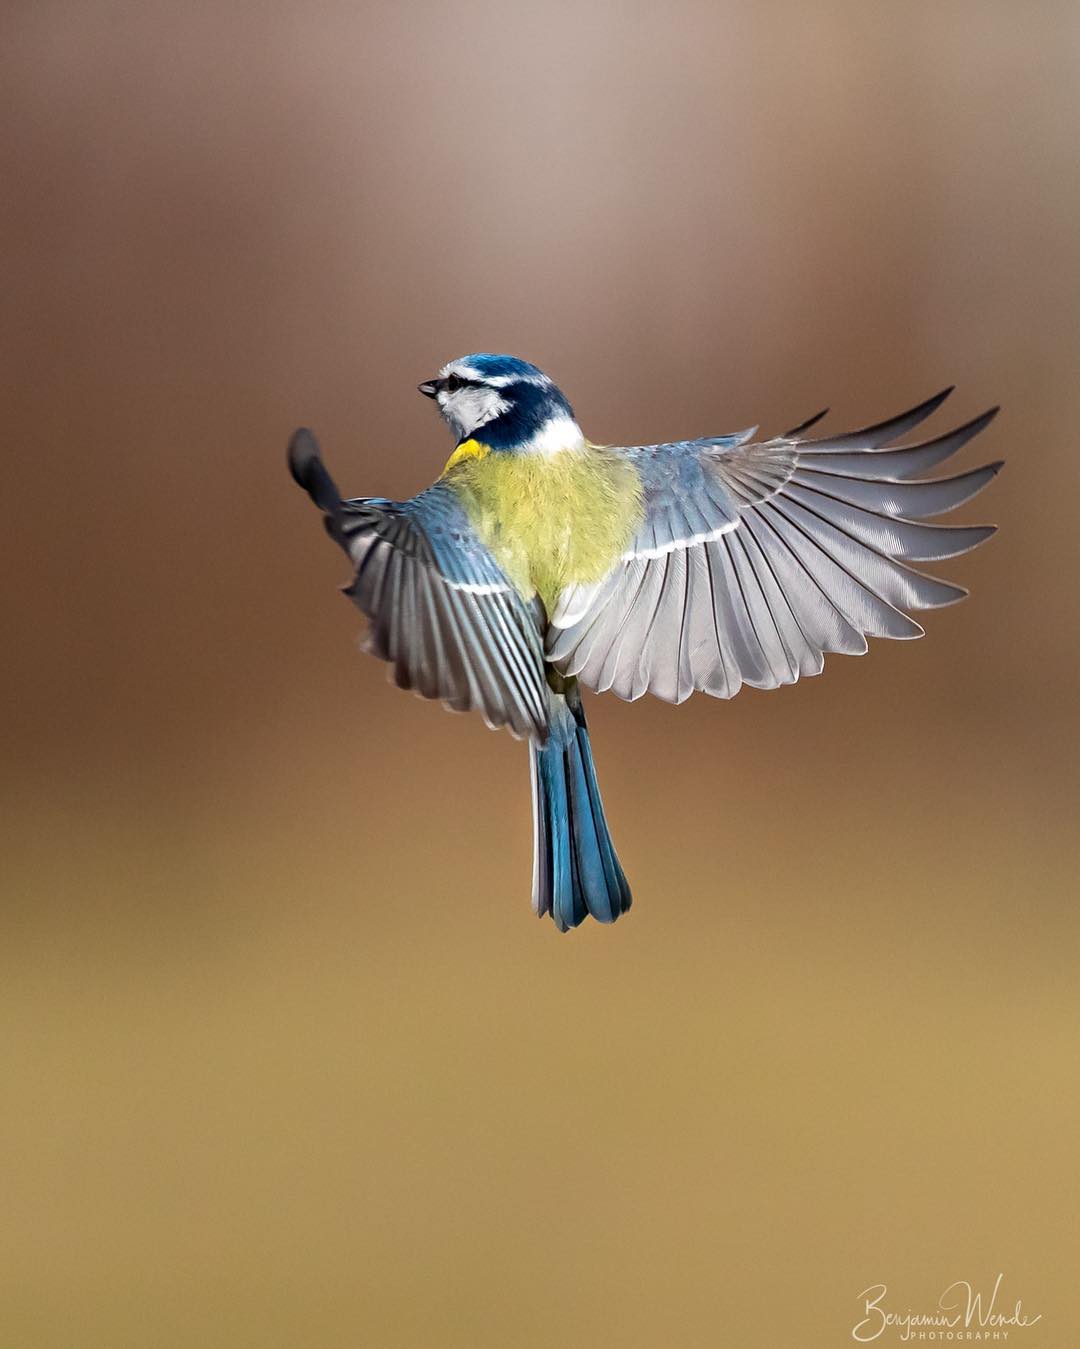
pixel 491 365
pixel 534 400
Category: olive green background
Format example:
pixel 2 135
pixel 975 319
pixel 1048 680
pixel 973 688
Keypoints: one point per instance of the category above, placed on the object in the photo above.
pixel 286 1059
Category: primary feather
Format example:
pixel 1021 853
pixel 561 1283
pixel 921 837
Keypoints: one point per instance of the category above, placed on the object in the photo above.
pixel 783 550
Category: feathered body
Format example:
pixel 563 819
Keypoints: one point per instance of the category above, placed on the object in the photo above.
pixel 550 520
pixel 538 560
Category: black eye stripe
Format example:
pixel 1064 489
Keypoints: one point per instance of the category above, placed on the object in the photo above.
pixel 455 382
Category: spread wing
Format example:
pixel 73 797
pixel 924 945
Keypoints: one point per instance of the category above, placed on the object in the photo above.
pixel 753 560
pixel 441 609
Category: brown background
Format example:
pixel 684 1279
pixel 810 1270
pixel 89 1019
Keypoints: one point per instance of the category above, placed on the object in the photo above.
pixel 287 1061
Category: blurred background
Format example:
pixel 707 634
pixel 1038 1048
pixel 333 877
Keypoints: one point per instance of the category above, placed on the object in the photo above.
pixel 287 1059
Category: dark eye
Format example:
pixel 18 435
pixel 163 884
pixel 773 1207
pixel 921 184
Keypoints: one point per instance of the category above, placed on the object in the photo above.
pixel 453 383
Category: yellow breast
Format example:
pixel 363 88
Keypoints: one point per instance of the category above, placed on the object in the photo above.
pixel 549 520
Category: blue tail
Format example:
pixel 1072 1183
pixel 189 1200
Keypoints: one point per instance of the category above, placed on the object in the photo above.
pixel 575 870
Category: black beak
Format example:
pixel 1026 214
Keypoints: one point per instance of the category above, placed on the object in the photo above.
pixel 430 387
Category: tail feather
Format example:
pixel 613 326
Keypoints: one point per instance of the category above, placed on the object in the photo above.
pixel 575 870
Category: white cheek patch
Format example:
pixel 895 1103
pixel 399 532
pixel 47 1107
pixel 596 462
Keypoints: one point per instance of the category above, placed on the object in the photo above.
pixel 468 409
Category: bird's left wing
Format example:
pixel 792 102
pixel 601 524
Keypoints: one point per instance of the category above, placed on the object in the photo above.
pixel 753 560
pixel 442 611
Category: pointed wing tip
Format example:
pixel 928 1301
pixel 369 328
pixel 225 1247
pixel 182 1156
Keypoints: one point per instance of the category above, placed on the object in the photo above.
pixel 983 532
pixel 806 425
pixel 979 423
pixel 309 472
pixel 932 404
pixel 935 401
pixel 962 592
pixel 929 405
pixel 303 454
pixel 880 434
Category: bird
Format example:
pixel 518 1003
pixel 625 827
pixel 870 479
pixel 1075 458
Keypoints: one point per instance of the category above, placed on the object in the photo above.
pixel 539 563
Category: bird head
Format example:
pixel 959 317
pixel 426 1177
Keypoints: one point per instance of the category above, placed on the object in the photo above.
pixel 514 406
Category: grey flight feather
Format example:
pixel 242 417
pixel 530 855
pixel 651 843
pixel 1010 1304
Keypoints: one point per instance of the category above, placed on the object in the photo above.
pixel 443 613
pixel 755 559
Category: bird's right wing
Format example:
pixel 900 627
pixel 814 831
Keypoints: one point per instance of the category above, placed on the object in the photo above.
pixel 442 611
pixel 753 560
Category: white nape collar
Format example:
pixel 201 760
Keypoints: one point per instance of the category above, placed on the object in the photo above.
pixel 556 434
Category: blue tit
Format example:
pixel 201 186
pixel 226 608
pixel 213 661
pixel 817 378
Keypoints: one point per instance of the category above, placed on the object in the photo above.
pixel 539 562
